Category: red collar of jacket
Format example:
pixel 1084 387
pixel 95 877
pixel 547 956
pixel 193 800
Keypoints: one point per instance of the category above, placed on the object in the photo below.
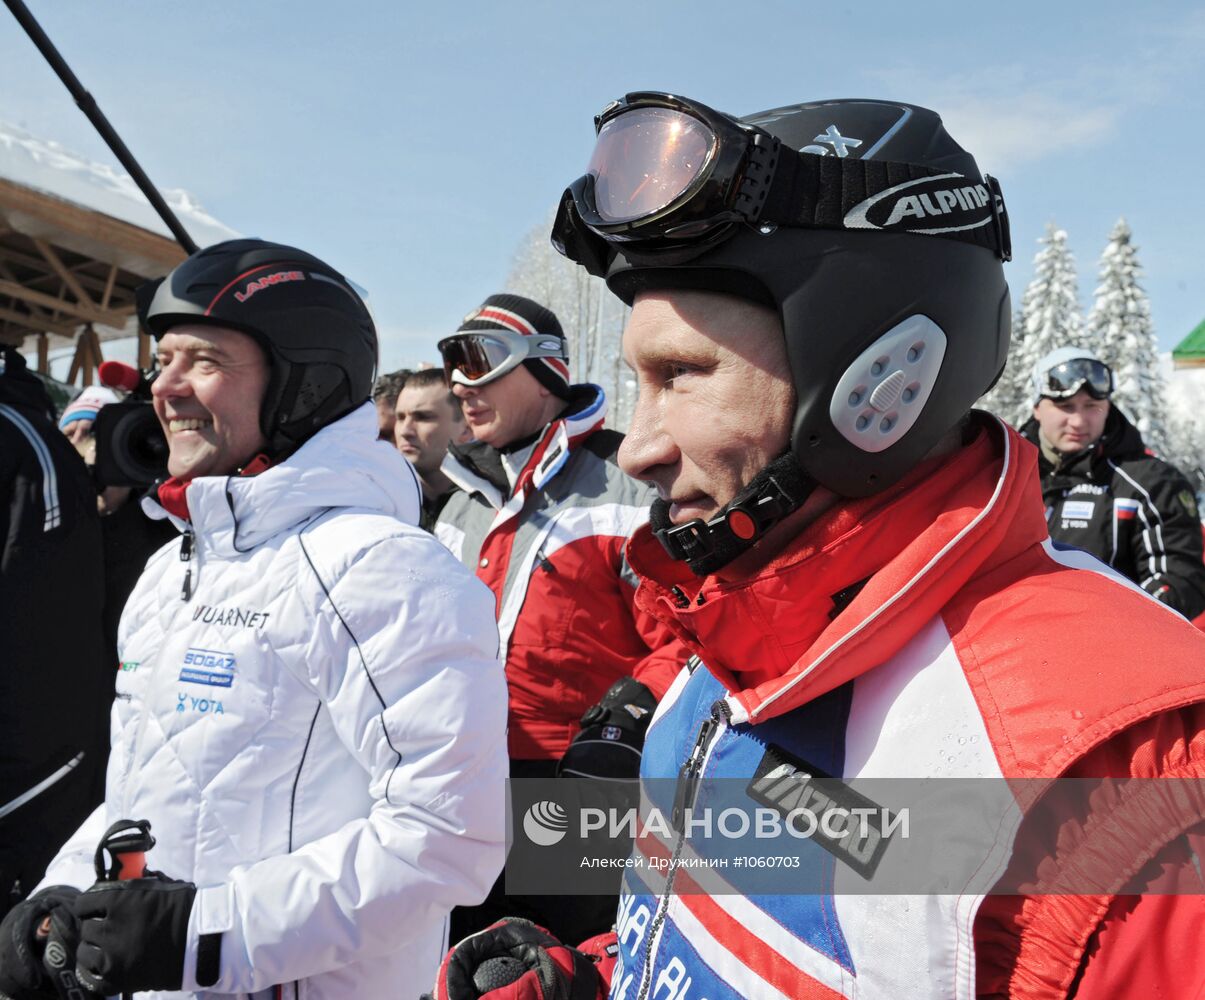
pixel 173 497
pixel 173 493
pixel 770 638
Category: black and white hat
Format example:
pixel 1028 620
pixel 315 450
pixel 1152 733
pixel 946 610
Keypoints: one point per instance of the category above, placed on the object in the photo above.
pixel 530 319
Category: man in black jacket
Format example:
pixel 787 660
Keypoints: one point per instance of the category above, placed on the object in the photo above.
pixel 1105 492
pixel 55 686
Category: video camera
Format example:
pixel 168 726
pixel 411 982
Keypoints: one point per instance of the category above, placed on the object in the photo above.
pixel 131 449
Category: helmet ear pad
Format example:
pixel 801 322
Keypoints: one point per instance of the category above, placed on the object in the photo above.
pixel 300 399
pixel 310 386
pixel 859 287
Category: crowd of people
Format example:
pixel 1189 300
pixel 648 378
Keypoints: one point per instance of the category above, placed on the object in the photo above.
pixel 353 606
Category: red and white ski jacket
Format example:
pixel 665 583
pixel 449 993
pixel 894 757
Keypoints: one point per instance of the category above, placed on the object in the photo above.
pixel 551 549
pixel 974 648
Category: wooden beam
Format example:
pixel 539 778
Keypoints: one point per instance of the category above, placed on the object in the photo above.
pixel 87 358
pixel 59 268
pixel 144 350
pixel 94 284
pixel 90 314
pixel 108 239
pixel 95 357
pixel 77 360
pixel 38 314
pixel 36 324
pixel 109 283
pixel 43 354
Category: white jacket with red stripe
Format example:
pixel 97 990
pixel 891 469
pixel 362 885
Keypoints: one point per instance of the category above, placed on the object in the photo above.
pixel 550 547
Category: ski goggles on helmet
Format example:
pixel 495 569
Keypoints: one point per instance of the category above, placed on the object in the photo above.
pixel 479 357
pixel 1064 380
pixel 670 178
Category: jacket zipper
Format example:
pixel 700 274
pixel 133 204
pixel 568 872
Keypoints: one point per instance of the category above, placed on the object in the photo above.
pixel 685 793
pixel 186 558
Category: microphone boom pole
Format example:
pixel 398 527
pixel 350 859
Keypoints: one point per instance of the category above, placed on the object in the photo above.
pixel 87 104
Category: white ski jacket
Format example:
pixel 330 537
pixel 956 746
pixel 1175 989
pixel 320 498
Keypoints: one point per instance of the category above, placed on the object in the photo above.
pixel 314 724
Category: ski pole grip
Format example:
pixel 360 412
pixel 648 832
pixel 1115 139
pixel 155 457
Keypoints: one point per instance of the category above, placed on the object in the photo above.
pixel 121 853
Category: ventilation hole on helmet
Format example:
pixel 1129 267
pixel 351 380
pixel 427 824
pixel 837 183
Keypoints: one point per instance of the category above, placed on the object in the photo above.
pixel 910 393
pixel 813 439
pixel 888 422
pixel 916 350
pixel 872 479
pixel 862 422
pixel 879 366
pixel 857 396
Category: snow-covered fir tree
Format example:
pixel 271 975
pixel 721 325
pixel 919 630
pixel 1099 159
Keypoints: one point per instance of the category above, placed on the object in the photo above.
pixel 591 316
pixel 1010 395
pixel 1120 331
pixel 1050 316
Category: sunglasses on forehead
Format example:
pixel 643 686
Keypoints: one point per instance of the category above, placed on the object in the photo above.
pixel 481 356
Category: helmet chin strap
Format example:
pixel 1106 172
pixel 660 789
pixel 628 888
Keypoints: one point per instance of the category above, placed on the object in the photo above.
pixel 777 491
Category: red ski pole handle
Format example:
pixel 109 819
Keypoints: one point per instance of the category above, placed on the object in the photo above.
pixel 121 853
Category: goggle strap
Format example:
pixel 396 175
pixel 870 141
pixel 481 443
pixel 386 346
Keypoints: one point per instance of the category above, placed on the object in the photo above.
pixel 821 191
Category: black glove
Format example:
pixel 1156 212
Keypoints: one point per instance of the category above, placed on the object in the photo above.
pixel 612 735
pixel 133 934
pixel 515 959
pixel 38 939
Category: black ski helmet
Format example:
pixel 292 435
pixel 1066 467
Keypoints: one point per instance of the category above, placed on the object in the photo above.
pixel 316 331
pixel 891 336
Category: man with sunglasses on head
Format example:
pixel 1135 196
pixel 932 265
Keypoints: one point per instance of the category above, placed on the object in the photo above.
pixel 543 515
pixel 1104 491
pixel 860 563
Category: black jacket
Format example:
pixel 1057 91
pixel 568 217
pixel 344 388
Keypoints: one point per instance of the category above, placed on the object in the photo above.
pixel 1129 509
pixel 55 684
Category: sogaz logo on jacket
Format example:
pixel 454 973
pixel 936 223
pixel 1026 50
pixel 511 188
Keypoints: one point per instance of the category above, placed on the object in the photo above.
pixel 1078 511
pixel 207 666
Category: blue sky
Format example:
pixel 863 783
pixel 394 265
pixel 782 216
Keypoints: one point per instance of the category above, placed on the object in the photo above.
pixel 413 145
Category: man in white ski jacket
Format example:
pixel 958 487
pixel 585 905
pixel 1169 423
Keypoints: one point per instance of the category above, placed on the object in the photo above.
pixel 310 711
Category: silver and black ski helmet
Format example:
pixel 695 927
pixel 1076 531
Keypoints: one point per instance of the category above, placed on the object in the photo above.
pixel 871 232
pixel 317 333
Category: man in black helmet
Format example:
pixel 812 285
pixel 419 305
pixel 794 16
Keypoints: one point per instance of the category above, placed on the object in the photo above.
pixel 861 565
pixel 310 711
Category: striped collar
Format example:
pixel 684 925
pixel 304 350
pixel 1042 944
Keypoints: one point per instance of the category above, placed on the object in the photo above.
pixel 547 455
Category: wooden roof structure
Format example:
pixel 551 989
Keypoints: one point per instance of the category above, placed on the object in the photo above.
pixel 68 274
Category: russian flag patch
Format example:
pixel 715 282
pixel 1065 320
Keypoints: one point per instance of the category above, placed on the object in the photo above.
pixel 1125 510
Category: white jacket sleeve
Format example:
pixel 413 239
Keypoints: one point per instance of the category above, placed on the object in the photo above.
pixel 404 659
